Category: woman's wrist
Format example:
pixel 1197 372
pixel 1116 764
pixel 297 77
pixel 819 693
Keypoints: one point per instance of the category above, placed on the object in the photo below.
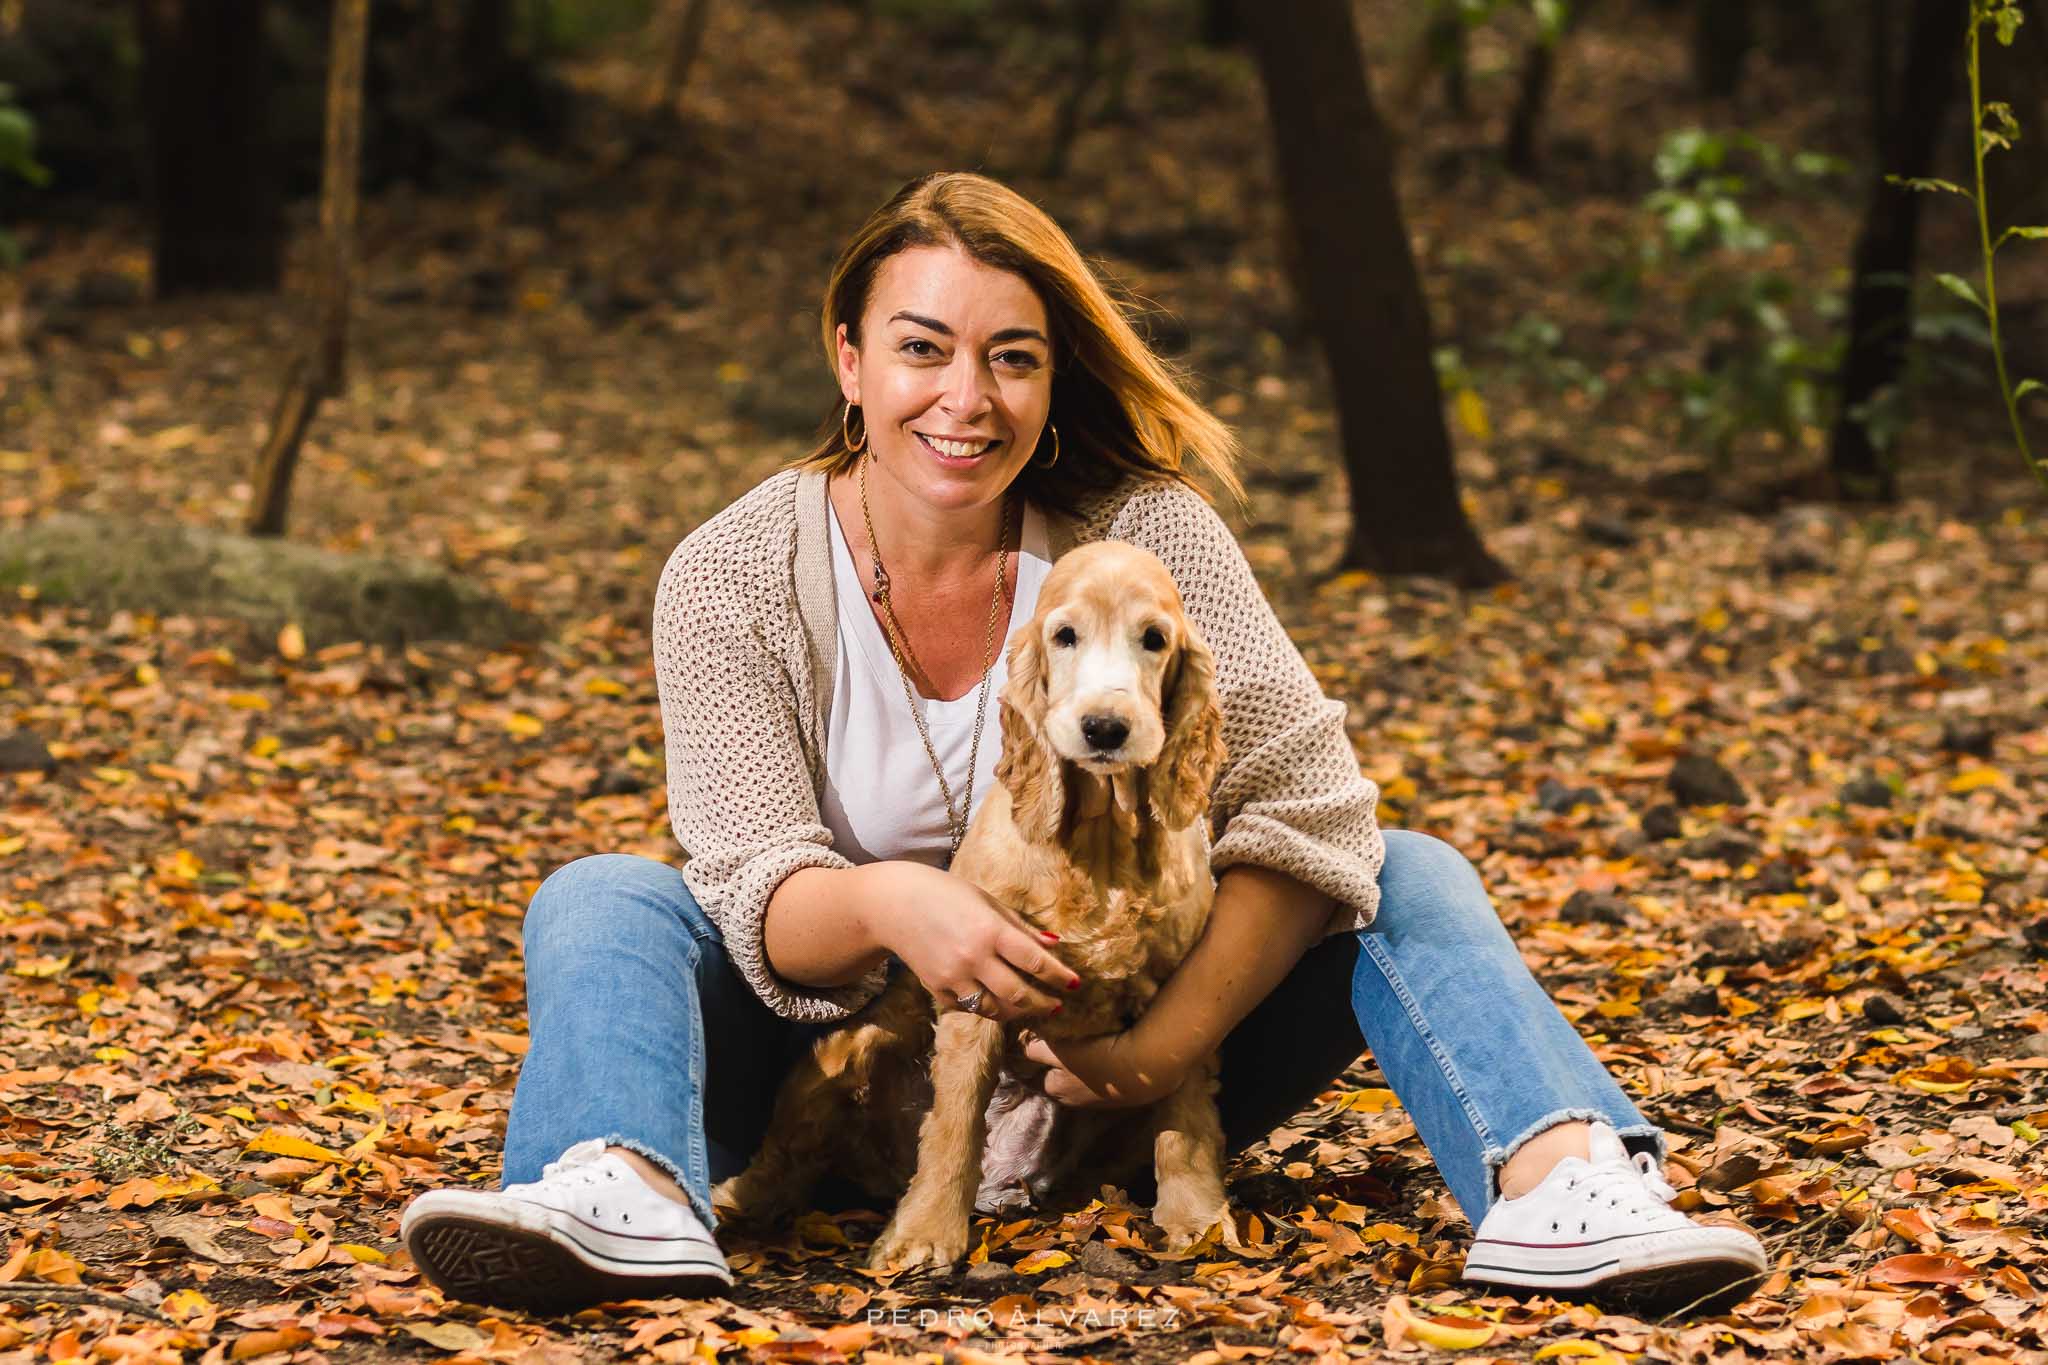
pixel 878 908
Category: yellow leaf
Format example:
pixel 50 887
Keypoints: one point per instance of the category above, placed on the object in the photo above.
pixel 1802 1009
pixel 1715 618
pixel 284 1144
pixel 248 701
pixel 1041 1260
pixel 1368 1101
pixel 1589 1349
pixel 1401 790
pixel 523 725
pixel 1874 881
pixel 242 1112
pixel 1471 409
pixel 752 1336
pixel 291 641
pixel 42 966
pixel 1436 1331
pixel 1739 1005
pixel 604 687
pixel 13 845
pixel 182 1304
pixel 820 1230
pixel 363 1253
pixel 265 747
pixel 146 674
pixel 1976 778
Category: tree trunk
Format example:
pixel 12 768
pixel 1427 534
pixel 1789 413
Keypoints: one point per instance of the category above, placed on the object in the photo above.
pixel 217 220
pixel 1093 22
pixel 687 20
pixel 1723 33
pixel 318 373
pixel 1367 306
pixel 1881 290
pixel 1520 150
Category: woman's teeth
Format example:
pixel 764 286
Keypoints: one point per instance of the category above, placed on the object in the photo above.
pixel 955 450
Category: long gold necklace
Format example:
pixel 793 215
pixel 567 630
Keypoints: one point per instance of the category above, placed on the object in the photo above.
pixel 956 820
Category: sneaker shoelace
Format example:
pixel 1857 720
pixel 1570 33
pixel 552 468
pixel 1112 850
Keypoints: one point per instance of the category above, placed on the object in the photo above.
pixel 1634 1186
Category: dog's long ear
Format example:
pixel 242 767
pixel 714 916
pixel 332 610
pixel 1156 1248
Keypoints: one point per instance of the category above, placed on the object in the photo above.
pixel 1029 768
pixel 1188 761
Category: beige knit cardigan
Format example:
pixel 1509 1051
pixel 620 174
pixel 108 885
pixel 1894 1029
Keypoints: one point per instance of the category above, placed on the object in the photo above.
pixel 745 639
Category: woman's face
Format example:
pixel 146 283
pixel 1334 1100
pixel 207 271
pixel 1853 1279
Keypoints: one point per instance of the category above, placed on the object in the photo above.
pixel 953 375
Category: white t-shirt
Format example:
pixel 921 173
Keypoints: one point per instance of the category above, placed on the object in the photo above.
pixel 881 798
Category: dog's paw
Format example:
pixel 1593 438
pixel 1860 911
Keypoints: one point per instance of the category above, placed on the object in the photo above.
pixel 936 1243
pixel 1186 1224
pixel 746 1201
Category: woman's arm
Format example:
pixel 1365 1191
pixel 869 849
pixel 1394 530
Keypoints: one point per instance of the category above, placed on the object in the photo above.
pixel 1261 924
pixel 823 926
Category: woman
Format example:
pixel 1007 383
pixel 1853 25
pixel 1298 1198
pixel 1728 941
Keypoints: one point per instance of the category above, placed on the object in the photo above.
pixel 825 649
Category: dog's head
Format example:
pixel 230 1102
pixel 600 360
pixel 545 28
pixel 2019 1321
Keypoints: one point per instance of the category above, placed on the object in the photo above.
pixel 1109 676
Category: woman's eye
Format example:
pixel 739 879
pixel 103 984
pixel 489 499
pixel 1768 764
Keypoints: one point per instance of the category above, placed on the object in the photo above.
pixel 1023 360
pixel 1153 639
pixel 1064 636
pixel 919 341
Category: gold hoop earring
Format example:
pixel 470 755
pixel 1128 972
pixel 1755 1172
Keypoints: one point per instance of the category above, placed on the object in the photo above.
pixel 844 418
pixel 1048 464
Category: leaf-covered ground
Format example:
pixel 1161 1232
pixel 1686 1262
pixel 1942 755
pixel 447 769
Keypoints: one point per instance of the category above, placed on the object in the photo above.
pixel 262 903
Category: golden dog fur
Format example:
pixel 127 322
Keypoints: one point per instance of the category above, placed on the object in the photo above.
pixel 1111 857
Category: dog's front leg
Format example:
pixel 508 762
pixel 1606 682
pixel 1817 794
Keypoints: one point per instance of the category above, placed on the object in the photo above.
pixel 1187 1158
pixel 931 1224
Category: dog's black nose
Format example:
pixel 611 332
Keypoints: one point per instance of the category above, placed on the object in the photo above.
pixel 1104 732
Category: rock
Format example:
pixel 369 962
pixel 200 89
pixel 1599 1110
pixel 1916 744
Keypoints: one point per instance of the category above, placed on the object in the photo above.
pixel 2035 933
pixel 2033 1045
pixel 106 289
pixel 1722 845
pixel 22 752
pixel 1609 531
pixel 1556 797
pixel 1594 907
pixel 1662 822
pixel 989 1270
pixel 108 564
pixel 1730 944
pixel 1697 780
pixel 1880 1008
pixel 1701 1000
pixel 1626 843
pixel 1866 789
pixel 1784 559
pixel 1796 946
pixel 1967 735
pixel 1100 1258
pixel 1776 878
pixel 616 782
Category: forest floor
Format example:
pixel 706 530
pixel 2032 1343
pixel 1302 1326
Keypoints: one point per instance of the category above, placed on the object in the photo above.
pixel 263 902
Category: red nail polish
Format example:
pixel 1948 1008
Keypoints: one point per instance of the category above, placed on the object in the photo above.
pixel 1048 937
pixel 1058 1005
pixel 1075 984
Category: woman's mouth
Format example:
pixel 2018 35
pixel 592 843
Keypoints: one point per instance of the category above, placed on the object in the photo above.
pixel 956 454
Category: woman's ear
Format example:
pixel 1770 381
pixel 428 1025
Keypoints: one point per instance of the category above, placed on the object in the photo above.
pixel 1029 769
pixel 1193 752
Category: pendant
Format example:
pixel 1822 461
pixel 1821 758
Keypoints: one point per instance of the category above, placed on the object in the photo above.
pixel 881 591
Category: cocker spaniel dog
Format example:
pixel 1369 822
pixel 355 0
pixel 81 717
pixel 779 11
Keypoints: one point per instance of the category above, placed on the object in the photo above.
pixel 1096 831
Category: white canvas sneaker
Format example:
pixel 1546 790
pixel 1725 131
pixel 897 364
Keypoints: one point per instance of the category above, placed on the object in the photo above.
pixel 1606 1225
pixel 590 1230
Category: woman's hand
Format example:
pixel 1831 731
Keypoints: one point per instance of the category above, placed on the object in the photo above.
pixel 1108 1070
pixel 959 940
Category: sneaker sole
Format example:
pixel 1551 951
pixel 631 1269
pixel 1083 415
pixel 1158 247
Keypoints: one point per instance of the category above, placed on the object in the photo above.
pixel 542 1268
pixel 1702 1284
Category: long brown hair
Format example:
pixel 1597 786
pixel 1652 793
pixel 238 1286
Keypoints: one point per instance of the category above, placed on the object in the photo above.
pixel 1120 408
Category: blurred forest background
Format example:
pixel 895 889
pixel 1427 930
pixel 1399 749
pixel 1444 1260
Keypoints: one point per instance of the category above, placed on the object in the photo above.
pixel 1617 451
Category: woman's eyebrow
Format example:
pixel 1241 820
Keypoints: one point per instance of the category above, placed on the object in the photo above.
pixel 1007 334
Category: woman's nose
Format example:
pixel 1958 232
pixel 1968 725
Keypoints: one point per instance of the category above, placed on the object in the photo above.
pixel 969 386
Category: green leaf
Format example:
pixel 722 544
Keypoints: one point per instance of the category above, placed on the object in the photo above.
pixel 2028 386
pixel 1960 287
pixel 1926 185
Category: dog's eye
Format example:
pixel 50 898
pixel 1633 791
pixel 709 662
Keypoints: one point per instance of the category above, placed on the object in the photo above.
pixel 1154 641
pixel 1063 636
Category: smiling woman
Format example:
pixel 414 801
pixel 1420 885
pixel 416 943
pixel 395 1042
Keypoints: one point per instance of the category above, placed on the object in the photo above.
pixel 826 649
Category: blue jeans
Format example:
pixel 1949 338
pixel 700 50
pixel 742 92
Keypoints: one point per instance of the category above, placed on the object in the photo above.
pixel 644 1034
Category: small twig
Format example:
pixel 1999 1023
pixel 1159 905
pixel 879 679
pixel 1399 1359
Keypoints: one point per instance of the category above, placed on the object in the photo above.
pixel 71 1293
